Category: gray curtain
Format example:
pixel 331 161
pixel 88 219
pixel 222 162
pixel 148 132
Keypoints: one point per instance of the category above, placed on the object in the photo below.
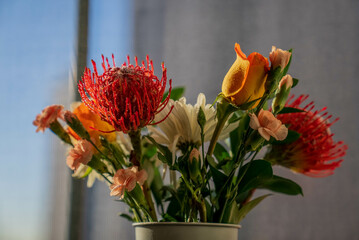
pixel 196 40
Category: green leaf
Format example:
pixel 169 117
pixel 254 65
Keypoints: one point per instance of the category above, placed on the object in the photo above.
pixel 211 161
pixel 166 156
pixel 255 173
pixel 168 218
pixel 88 171
pixel 236 136
pixel 290 110
pixel 245 209
pixel 156 187
pixel 282 185
pixel 292 137
pixel 236 116
pixel 128 217
pixel 219 178
pixel 295 82
pixel 176 93
pixel 231 214
pixel 220 152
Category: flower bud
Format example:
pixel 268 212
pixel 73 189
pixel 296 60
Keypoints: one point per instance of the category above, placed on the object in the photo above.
pixel 282 93
pixel 279 58
pixel 75 124
pixel 244 82
pixel 194 164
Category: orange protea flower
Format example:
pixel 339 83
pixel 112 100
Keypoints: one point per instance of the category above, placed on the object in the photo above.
pixel 245 80
pixel 315 153
pixel 127 97
pixel 92 123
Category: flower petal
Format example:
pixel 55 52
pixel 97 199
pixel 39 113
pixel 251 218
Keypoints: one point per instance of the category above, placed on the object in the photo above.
pixel 236 76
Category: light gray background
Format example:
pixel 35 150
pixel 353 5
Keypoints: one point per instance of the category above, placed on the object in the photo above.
pixel 196 40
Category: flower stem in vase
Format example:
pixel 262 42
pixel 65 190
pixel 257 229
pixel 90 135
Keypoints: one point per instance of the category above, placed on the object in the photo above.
pixel 136 155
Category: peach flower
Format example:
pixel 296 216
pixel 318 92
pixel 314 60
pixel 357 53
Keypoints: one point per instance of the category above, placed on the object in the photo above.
pixel 245 80
pixel 267 125
pixel 286 81
pixel 126 179
pixel 279 57
pixel 48 116
pixel 81 153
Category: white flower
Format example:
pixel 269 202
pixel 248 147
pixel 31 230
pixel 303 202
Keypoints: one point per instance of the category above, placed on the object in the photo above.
pixel 181 126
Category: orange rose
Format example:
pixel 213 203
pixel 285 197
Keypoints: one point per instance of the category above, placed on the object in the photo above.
pixel 93 124
pixel 244 82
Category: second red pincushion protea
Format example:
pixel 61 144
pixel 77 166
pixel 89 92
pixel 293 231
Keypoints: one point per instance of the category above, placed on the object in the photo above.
pixel 127 97
pixel 315 153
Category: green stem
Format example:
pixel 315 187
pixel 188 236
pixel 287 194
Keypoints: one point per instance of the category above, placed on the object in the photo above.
pixel 220 124
pixel 104 155
pixel 136 160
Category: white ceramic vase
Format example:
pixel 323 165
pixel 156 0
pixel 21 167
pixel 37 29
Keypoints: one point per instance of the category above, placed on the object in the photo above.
pixel 185 231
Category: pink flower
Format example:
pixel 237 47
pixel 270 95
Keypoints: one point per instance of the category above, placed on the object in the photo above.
pixel 48 116
pixel 279 58
pixel 81 153
pixel 126 179
pixel 267 125
pixel 286 81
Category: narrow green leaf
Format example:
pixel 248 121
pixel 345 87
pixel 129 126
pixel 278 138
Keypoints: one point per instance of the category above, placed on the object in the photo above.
pixel 166 153
pixel 168 218
pixel 128 217
pixel 290 110
pixel 231 214
pixel 156 187
pixel 245 209
pixel 236 136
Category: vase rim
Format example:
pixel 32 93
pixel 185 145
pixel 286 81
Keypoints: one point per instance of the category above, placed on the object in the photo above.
pixel 187 224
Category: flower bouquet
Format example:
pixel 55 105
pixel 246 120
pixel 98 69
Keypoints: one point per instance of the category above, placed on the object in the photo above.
pixel 171 161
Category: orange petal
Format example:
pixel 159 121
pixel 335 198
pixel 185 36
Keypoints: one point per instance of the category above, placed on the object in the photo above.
pixel 254 86
pixel 236 76
pixel 89 119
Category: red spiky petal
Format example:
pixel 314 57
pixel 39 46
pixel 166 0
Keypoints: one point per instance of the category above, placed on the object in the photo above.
pixel 127 97
pixel 315 153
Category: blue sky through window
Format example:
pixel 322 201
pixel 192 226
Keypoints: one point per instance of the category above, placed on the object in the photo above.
pixel 37 45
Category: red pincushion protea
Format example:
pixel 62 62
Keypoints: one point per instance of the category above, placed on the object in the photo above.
pixel 127 97
pixel 315 153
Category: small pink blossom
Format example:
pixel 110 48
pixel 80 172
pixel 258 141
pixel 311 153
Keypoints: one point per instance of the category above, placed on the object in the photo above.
pixel 126 179
pixel 267 125
pixel 81 153
pixel 286 81
pixel 279 57
pixel 48 116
